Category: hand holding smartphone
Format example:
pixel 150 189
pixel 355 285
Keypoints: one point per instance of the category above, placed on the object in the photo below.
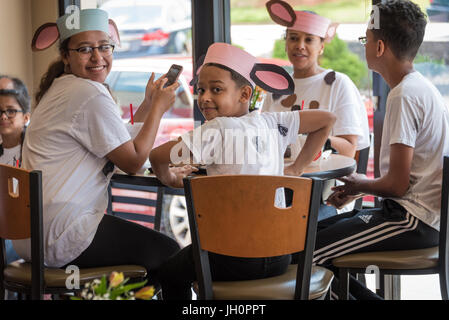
pixel 173 74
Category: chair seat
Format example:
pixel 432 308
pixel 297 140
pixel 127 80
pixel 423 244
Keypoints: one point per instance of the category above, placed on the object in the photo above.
pixel 274 288
pixel 400 259
pixel 20 272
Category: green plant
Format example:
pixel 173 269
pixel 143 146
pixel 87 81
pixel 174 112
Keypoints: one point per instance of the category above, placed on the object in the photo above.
pixel 336 56
pixel 116 289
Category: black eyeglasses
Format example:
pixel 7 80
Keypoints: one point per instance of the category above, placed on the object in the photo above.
pixel 362 40
pixel 10 113
pixel 86 52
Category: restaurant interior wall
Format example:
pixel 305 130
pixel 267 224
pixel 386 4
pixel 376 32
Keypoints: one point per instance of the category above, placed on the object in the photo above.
pixel 18 21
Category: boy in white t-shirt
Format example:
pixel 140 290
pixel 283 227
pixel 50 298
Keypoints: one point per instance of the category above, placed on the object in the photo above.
pixel 235 142
pixel 415 139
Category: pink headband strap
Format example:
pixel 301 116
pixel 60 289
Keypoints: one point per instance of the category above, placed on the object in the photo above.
pixel 269 77
pixel 282 13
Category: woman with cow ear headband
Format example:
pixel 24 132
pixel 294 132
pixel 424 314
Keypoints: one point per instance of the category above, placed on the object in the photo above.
pixel 316 87
pixel 76 137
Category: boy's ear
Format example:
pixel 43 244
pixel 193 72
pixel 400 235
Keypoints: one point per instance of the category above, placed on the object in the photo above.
pixel 245 94
pixel 380 50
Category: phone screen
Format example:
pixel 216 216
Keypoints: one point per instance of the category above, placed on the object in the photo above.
pixel 173 74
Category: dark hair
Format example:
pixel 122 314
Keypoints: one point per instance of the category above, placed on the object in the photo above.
pixel 401 26
pixel 239 80
pixel 20 92
pixel 55 70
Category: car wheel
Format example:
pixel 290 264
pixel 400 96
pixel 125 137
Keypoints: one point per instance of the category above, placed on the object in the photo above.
pixel 175 221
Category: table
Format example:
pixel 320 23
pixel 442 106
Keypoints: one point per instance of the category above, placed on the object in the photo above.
pixel 334 166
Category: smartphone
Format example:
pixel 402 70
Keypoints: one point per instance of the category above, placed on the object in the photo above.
pixel 173 74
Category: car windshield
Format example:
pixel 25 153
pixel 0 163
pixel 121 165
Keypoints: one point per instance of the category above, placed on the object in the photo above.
pixel 134 14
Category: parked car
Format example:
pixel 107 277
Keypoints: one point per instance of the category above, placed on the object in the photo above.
pixel 149 27
pixel 438 11
pixel 127 81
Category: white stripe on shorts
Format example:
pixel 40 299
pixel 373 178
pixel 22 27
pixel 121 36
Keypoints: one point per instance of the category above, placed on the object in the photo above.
pixel 364 241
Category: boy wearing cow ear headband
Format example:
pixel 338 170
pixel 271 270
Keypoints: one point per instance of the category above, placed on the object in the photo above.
pixel 225 83
pixel 77 137
pixel 319 88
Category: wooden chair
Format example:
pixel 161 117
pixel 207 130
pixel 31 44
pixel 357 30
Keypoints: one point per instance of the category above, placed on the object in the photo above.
pixel 405 262
pixel 235 215
pixel 21 218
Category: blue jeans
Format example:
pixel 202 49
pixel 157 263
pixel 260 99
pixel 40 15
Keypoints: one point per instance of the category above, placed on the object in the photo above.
pixel 11 255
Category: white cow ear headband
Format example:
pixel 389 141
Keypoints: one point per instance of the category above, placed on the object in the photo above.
pixel 282 13
pixel 267 76
pixel 69 25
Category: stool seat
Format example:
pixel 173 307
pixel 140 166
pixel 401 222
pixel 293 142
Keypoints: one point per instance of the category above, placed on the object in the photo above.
pixel 391 260
pixel 280 287
pixel 20 272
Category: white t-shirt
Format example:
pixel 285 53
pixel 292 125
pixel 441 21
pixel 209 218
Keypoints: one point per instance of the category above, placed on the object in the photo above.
pixel 10 155
pixel 341 97
pixel 417 116
pixel 251 144
pixel 72 129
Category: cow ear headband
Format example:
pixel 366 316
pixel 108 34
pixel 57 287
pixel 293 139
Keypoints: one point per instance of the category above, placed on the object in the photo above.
pixel 282 13
pixel 69 25
pixel 269 77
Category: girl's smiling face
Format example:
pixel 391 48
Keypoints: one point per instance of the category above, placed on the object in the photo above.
pixel 95 66
pixel 15 124
pixel 219 95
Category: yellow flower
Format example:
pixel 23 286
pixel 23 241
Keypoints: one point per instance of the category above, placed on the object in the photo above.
pixel 116 278
pixel 145 293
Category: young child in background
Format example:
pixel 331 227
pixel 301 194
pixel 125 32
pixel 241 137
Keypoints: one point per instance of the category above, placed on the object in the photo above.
pixel 225 85
pixel 14 115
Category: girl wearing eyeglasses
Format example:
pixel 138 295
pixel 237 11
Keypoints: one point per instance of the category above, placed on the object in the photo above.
pixel 77 137
pixel 14 115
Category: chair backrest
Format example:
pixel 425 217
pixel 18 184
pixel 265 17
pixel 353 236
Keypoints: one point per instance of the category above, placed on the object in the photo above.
pixel 443 254
pixel 236 215
pixel 137 202
pixel 21 217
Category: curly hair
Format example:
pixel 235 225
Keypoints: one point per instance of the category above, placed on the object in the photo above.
pixel 402 26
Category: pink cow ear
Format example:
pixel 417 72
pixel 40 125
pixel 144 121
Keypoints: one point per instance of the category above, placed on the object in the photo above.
pixel 113 32
pixel 45 36
pixel 331 32
pixel 281 13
